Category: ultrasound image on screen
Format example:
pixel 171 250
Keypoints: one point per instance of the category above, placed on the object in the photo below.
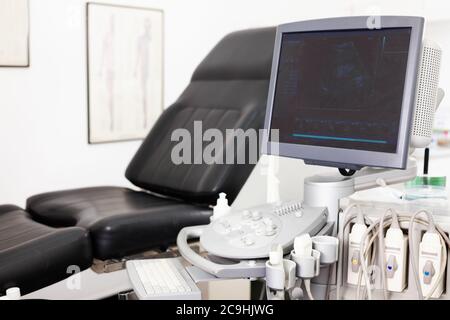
pixel 341 89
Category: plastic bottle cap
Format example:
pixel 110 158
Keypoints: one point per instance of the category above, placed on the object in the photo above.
pixel 222 199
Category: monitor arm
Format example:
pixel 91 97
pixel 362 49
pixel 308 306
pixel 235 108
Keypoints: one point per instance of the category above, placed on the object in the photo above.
pixel 327 190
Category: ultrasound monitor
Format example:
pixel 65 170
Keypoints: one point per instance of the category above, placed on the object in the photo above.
pixel 342 93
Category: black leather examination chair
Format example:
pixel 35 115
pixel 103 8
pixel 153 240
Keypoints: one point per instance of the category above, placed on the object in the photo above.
pixel 227 90
pixel 33 255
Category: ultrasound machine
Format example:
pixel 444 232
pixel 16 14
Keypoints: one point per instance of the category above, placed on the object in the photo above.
pixel 357 98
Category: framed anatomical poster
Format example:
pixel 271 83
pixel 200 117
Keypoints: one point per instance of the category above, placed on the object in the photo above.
pixel 125 71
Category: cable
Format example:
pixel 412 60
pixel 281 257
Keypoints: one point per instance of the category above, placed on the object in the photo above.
pixel 362 250
pixel 341 249
pixel 331 270
pixel 363 260
pixel 360 221
pixel 443 236
pixel 369 244
pixel 413 257
pixel 441 274
pixel 342 229
pixel 263 292
pixel 431 227
pixel 389 221
pixel 426 161
pixel 368 256
pixel 307 283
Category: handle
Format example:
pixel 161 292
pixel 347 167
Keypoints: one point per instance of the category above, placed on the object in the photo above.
pixel 242 269
pixel 190 255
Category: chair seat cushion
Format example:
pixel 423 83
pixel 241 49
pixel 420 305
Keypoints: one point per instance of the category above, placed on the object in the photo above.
pixel 121 221
pixel 33 255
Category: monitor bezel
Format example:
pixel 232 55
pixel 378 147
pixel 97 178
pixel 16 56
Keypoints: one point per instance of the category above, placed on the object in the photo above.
pixel 341 157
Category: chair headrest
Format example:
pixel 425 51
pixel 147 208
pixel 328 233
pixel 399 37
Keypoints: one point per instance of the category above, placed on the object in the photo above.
pixel 241 55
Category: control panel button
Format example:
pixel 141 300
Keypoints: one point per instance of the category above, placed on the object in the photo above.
pixel 224 223
pixel 248 241
pixel 254 225
pixel 246 214
pixel 256 215
pixel 270 226
pixel 223 226
pixel 236 227
pixel 270 231
pixel 260 231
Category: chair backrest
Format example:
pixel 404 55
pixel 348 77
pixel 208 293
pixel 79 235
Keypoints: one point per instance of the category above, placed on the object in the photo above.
pixel 228 90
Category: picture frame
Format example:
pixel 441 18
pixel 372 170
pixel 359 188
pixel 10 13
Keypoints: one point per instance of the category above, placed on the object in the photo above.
pixel 125 71
pixel 14 33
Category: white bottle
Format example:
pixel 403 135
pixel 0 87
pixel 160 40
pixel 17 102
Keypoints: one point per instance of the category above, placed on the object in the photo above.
pixel 221 208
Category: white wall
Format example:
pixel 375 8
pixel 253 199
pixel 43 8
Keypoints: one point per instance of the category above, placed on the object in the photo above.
pixel 43 108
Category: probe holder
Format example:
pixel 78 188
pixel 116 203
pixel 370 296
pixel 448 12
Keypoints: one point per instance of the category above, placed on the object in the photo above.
pixel 328 247
pixel 307 266
pixel 277 279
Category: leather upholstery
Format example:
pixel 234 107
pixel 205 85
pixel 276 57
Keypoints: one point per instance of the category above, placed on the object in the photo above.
pixel 228 90
pixel 33 255
pixel 240 55
pixel 120 221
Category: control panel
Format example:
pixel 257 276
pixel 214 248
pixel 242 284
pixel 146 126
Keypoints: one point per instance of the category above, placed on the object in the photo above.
pixel 250 233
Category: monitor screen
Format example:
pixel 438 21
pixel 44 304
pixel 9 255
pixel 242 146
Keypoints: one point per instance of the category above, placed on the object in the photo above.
pixel 341 89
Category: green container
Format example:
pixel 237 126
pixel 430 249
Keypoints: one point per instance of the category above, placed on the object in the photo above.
pixel 426 187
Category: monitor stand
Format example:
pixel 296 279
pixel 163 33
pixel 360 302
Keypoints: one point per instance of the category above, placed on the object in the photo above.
pixel 326 190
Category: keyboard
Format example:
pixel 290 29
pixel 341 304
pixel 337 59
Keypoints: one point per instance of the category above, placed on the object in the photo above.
pixel 161 279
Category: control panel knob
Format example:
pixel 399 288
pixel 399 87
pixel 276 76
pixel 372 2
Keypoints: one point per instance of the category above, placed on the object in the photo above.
pixel 270 225
pixel 225 223
pixel 270 231
pixel 246 214
pixel 256 215
pixel 236 227
pixel 248 241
